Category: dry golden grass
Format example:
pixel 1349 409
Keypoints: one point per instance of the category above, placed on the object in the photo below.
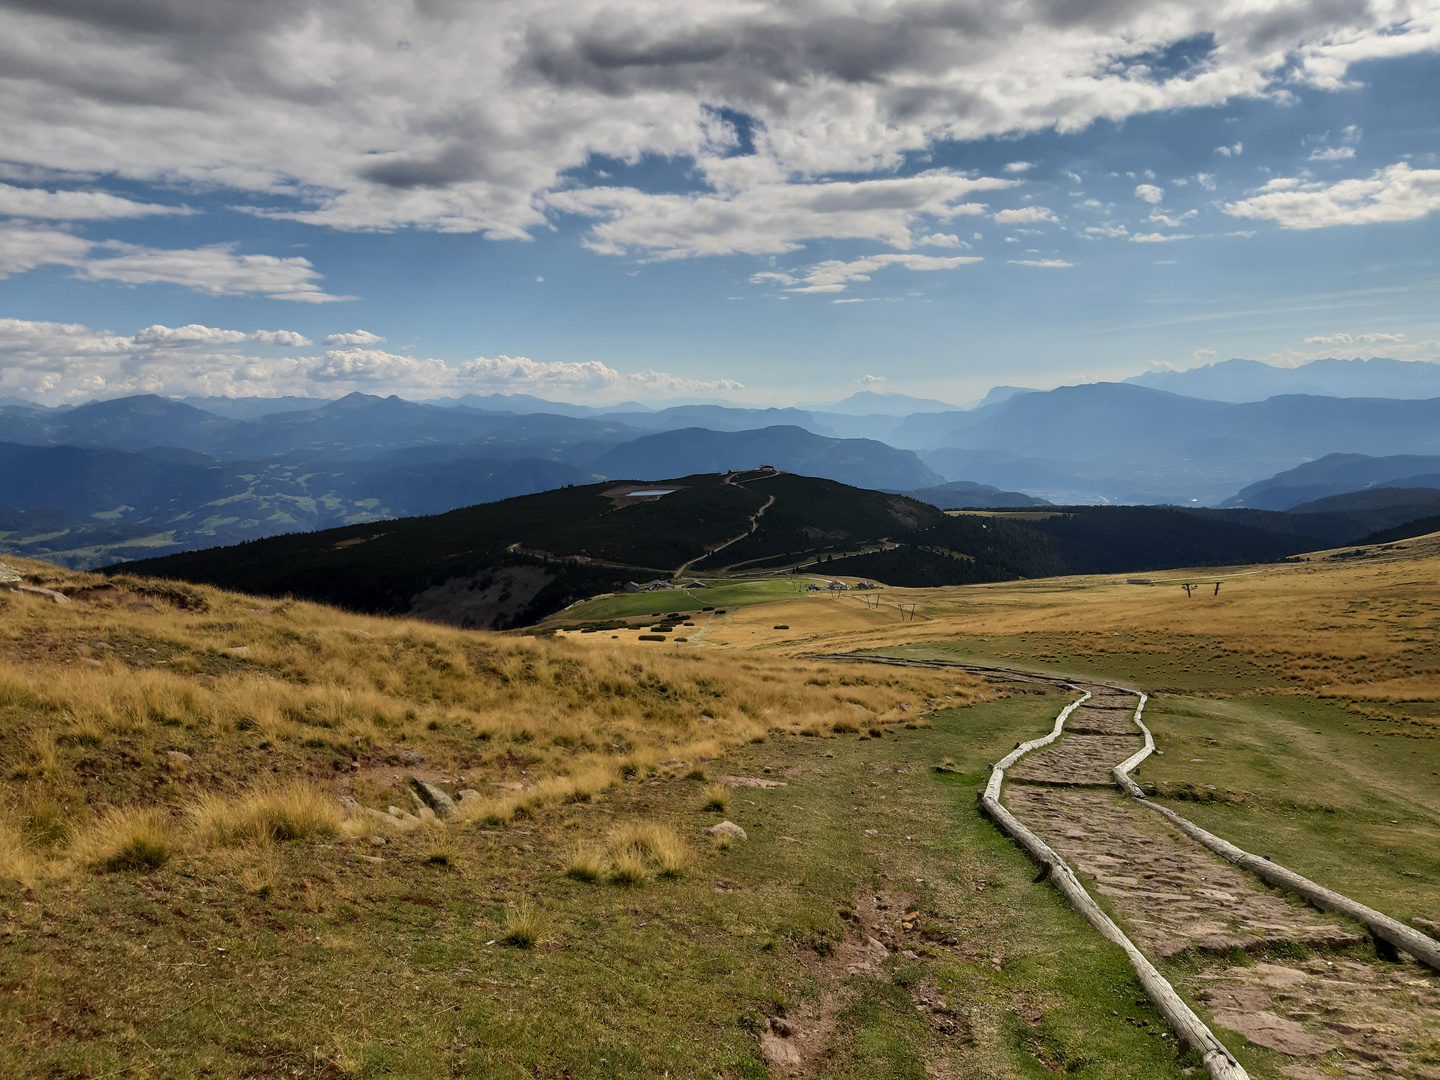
pixel 586 862
pixel 206 692
pixel 1355 627
pixel 524 926
pixel 716 797
pixel 656 845
pixel 130 838
pixel 268 813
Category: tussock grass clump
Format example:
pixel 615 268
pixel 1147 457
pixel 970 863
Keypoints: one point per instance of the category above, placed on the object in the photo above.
pixel 16 863
pixel 130 838
pixel 267 814
pixel 629 867
pixel 653 846
pixel 523 926
pixel 586 862
pixel 716 797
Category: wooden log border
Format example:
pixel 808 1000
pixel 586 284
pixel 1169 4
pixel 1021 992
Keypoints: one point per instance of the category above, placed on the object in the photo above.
pixel 1193 1031
pixel 1395 933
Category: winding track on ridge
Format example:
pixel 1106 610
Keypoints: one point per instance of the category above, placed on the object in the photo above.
pixel 1309 996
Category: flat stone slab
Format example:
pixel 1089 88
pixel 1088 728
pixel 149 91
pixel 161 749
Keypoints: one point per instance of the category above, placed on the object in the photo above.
pixel 1170 894
pixel 1079 760
pixel 1088 721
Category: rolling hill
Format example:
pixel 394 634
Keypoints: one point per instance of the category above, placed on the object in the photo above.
pixel 510 563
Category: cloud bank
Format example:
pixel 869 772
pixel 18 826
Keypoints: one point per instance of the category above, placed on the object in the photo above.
pixel 55 363
pixel 484 117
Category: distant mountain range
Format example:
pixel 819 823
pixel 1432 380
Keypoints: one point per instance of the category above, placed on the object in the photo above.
pixel 1337 474
pixel 1249 380
pixel 211 471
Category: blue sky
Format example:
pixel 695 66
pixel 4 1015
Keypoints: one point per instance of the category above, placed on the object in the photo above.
pixel 762 203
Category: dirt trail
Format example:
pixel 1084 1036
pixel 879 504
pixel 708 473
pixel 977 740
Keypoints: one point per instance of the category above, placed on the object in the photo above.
pixel 754 524
pixel 1332 1015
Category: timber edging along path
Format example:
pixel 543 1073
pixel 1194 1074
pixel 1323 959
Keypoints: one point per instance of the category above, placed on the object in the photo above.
pixel 1220 1063
pixel 1421 946
pixel 1193 1031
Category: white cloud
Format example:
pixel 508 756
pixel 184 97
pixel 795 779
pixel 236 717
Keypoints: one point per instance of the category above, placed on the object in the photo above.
pixel 1157 238
pixel 1332 153
pixel 832 275
pixel 356 337
pixel 1048 264
pixel 23 248
pixel 1231 151
pixel 76 205
pixel 1206 180
pixel 1398 193
pixel 1352 339
pixel 773 217
pixel 216 270
pixel 1108 230
pixel 1427 350
pixel 181 337
pixel 871 381
pixel 472 116
pixel 1171 221
pixel 1150 193
pixel 945 240
pixel 1025 214
pixel 1019 166
pixel 59 362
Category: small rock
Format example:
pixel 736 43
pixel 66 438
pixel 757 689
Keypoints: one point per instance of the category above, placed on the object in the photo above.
pixel 379 841
pixel 782 1027
pixel 177 757
pixel 780 1055
pixel 466 793
pixel 411 757
pixel 726 828
pixel 433 797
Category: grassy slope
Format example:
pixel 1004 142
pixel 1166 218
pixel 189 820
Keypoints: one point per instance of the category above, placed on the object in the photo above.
pixel 305 957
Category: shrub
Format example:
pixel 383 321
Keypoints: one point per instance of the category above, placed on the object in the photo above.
pixel 523 926
pixel 717 797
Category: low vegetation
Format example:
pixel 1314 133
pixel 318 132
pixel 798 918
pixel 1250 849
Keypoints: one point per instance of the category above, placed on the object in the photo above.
pixel 215 858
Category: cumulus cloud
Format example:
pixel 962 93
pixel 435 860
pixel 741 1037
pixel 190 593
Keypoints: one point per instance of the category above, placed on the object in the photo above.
pixel 1234 150
pixel 945 240
pixel 832 275
pixel 60 362
pixel 476 117
pixel 1019 166
pixel 1048 264
pixel 1150 193
pixel 76 205
pixel 181 337
pixel 1157 238
pixel 1332 153
pixel 1398 193
pixel 1025 215
pixel 357 337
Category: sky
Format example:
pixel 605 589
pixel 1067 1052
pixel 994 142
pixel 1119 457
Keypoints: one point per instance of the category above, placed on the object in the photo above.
pixel 759 202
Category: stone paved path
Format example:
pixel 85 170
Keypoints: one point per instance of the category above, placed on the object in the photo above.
pixel 1332 1016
